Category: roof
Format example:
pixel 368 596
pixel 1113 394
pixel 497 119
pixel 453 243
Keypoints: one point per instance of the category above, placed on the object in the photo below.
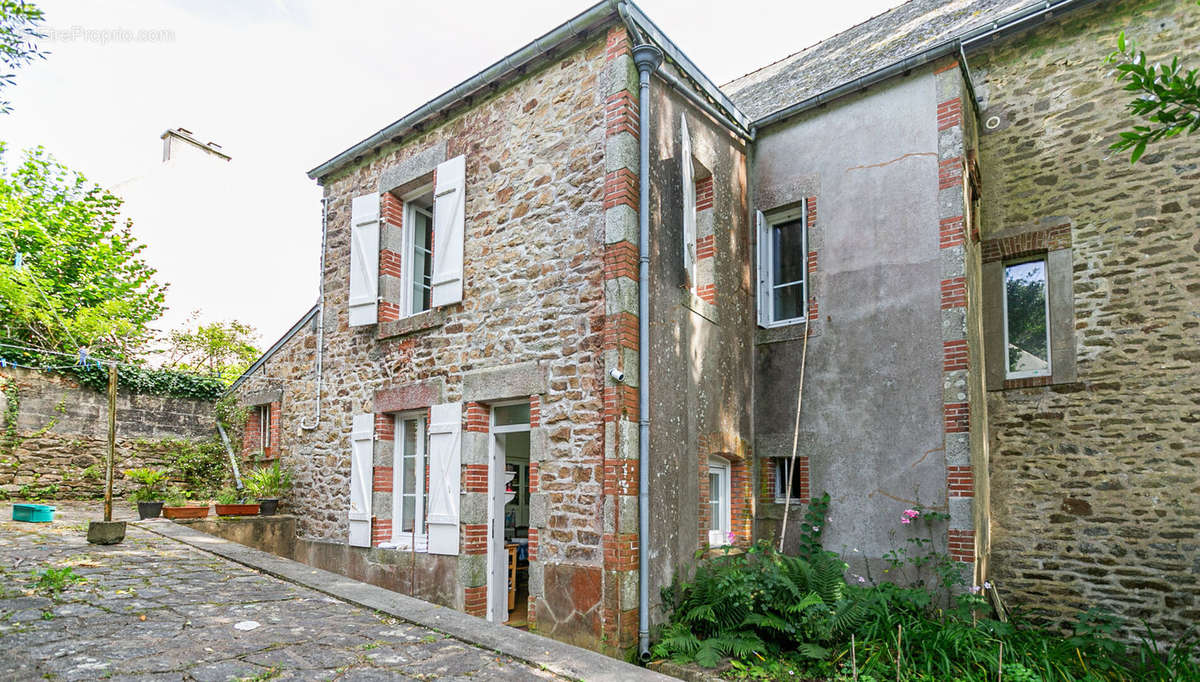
pixel 305 319
pixel 876 43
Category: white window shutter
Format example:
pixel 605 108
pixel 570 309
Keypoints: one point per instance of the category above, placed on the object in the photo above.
pixel 449 216
pixel 445 472
pixel 763 236
pixel 362 446
pixel 689 202
pixel 364 260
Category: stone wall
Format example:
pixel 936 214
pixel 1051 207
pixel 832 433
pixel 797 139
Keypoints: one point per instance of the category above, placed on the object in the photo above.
pixel 62 435
pixel 1094 482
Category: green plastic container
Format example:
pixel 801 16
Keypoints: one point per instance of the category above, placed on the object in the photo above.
pixel 33 513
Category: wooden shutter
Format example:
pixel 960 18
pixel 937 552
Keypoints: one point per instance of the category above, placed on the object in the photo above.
pixel 364 260
pixel 449 216
pixel 764 273
pixel 362 445
pixel 689 202
pixel 445 472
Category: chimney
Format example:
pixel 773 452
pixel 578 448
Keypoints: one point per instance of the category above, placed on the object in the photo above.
pixel 176 140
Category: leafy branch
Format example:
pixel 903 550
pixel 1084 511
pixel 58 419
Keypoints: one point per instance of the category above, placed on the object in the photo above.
pixel 1166 97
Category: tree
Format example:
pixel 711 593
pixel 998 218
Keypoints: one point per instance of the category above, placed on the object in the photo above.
pixel 18 30
pixel 1166 96
pixel 222 349
pixel 71 273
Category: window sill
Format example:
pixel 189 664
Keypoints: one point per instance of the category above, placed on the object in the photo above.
pixel 688 299
pixel 793 331
pixel 413 323
pixel 1028 382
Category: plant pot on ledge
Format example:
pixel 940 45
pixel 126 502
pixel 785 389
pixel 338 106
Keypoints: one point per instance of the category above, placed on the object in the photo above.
pixel 268 505
pixel 237 509
pixel 196 512
pixel 150 510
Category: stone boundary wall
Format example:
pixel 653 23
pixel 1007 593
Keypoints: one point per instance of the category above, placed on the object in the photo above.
pixel 62 435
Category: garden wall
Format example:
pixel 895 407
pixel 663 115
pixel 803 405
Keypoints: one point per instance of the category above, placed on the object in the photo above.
pixel 60 440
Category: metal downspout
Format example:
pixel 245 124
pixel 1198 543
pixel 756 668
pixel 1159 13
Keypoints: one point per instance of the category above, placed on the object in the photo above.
pixel 320 315
pixel 647 58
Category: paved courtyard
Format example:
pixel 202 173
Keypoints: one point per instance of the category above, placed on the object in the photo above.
pixel 152 608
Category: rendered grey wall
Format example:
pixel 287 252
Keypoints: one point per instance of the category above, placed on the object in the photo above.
pixel 872 413
pixel 700 353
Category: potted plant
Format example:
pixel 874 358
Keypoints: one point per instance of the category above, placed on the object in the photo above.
pixel 233 502
pixel 268 484
pixel 150 491
pixel 178 506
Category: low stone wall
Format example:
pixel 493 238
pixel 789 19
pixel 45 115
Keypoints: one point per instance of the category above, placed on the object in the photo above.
pixel 275 534
pixel 61 435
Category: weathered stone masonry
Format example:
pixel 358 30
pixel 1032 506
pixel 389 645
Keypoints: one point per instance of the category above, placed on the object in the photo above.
pixel 1094 481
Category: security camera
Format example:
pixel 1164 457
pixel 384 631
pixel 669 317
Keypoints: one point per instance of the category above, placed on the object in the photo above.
pixel 617 375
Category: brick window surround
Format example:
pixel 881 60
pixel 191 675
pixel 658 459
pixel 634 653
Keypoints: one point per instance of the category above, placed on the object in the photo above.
pixel 252 439
pixel 1050 240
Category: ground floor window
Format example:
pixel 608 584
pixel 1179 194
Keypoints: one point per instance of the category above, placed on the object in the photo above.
pixel 409 489
pixel 718 503
pixel 788 486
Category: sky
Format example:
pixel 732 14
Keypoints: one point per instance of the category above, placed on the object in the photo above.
pixel 283 86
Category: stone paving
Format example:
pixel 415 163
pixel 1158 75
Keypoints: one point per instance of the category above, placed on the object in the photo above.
pixel 151 608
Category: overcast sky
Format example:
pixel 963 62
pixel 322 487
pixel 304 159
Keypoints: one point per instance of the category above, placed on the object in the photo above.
pixel 285 85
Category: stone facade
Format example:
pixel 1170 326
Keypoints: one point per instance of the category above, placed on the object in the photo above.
pixel 62 435
pixel 1094 480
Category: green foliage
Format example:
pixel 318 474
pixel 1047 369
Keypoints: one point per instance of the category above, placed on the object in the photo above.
pixel 82 280
pixel 219 349
pixel 12 410
pixel 53 581
pixel 177 497
pixel 19 22
pixel 1165 96
pixel 814 523
pixel 151 381
pixel 32 492
pixel 152 484
pixel 782 617
pixel 269 482
pixel 230 495
pixel 201 464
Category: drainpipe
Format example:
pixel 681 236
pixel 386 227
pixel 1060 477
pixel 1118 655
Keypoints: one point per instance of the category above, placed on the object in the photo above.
pixel 647 58
pixel 320 314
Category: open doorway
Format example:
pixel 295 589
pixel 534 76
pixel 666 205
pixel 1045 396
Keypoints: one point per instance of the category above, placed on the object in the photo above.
pixel 508 515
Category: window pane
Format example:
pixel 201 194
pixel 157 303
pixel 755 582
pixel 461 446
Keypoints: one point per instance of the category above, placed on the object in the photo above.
pixel 786 487
pixel 410 479
pixel 409 504
pixel 788 251
pixel 789 302
pixel 1025 310
pixel 410 437
pixel 512 414
pixel 421 259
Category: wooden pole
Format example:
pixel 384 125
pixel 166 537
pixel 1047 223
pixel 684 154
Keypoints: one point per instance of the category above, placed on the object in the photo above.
pixel 787 502
pixel 853 659
pixel 899 637
pixel 112 439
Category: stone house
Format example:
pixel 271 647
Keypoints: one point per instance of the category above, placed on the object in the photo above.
pixel 565 309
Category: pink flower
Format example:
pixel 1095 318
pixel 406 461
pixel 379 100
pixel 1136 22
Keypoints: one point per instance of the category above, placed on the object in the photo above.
pixel 909 515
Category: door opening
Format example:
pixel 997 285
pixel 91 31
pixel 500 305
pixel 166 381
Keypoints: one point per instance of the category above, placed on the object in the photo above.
pixel 508 515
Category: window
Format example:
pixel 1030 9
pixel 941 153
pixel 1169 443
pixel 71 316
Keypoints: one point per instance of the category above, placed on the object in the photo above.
pixel 718 502
pixel 264 426
pixel 418 251
pixel 1026 320
pixel 788 488
pixel 783 268
pixel 409 494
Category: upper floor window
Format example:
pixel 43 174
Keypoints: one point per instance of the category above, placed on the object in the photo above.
pixel 418 251
pixel 1026 320
pixel 783 268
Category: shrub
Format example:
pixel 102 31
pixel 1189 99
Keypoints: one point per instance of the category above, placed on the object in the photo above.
pixel 152 484
pixel 269 482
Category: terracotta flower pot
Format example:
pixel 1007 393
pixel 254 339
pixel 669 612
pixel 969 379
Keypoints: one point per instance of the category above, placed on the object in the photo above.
pixel 237 509
pixel 185 512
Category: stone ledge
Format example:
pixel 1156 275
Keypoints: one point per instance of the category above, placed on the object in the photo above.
pixel 557 657
pixel 429 319
pixel 788 332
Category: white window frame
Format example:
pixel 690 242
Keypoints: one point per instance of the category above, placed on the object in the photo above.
pixel 264 426
pixel 781 465
pixel 773 219
pixel 1028 374
pixel 719 537
pixel 408 236
pixel 417 541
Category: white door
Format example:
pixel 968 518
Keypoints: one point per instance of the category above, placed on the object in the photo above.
pixel 506 419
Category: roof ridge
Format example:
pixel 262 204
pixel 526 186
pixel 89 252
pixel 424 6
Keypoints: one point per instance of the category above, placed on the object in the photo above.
pixel 816 44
